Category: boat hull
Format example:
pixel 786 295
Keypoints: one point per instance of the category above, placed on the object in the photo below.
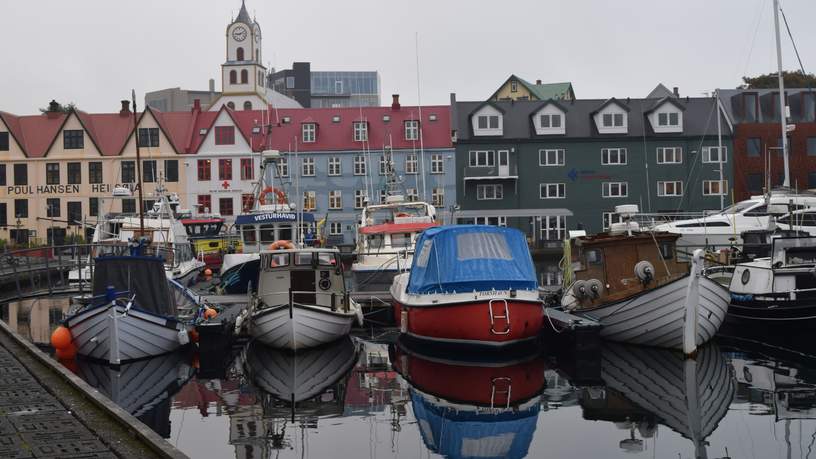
pixel 299 327
pixel 656 317
pixel 782 312
pixel 373 280
pixel 106 333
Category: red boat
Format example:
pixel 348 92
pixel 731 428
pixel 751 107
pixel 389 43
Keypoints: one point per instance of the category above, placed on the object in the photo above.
pixel 469 285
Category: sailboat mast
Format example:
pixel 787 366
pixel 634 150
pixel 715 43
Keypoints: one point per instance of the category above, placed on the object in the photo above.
pixel 138 164
pixel 783 121
pixel 720 148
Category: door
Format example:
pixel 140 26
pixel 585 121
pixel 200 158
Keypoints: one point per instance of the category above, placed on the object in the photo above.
pixel 504 163
pixel 303 281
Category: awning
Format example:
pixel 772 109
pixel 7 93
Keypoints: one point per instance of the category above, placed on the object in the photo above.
pixel 513 213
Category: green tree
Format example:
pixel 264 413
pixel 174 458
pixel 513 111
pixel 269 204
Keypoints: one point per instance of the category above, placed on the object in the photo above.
pixel 55 106
pixel 795 79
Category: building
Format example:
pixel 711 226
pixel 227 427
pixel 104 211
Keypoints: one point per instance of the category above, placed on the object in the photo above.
pixel 327 89
pixel 553 165
pixel 515 88
pixel 758 135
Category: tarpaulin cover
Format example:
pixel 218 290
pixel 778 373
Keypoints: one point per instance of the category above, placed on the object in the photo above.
pixel 142 276
pixel 455 433
pixel 464 258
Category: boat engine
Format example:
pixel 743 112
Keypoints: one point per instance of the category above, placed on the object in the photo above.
pixel 644 271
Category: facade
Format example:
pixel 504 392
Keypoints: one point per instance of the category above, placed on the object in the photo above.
pixel 546 167
pixel 327 89
pixel 757 139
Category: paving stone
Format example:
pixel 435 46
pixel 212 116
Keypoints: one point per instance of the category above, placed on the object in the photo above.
pixel 13 447
pixel 66 448
pixel 45 422
pixel 23 408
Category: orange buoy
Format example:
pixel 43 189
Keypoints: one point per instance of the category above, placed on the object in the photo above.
pixel 208 272
pixel 281 244
pixel 210 313
pixel 61 337
pixel 67 353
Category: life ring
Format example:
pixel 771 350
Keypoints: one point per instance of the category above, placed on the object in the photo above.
pixel 402 214
pixel 281 244
pixel 270 189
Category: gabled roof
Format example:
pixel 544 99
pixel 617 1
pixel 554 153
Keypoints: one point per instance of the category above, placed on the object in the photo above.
pixel 609 101
pixel 666 100
pixel 550 102
pixel 490 103
pixel 34 134
pixel 660 92
pixel 542 91
pixel 107 131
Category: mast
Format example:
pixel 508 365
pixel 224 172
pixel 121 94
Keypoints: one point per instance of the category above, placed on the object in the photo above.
pixel 139 163
pixel 719 147
pixel 782 106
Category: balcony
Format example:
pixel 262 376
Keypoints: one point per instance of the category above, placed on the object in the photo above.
pixel 491 173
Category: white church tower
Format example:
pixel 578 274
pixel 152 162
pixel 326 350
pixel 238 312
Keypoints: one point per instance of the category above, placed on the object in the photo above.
pixel 242 74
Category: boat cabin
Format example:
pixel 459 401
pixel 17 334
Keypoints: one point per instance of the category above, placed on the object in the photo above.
pixel 310 276
pixel 203 227
pixel 787 273
pixel 394 227
pixel 259 229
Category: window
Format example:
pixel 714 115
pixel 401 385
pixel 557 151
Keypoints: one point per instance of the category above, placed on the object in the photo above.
pixel 239 53
pixel 613 119
pixel 488 122
pixel 756 182
pixel 74 213
pixel 335 200
pixel 359 165
pixel 553 228
pixel 552 190
pixel 2 175
pixel 3 214
pixel 334 166
pixel 514 86
pixel 74 173
pixel 224 169
pixel 609 218
pixel 753 147
pixel 411 164
pixel 309 130
pixel 438 197
pixel 244 76
pixel 283 167
pixel 335 228
pixel 360 131
pixel 52 207
pixel 225 206
pixel 489 192
pixel 52 173
pixel 811 146
pixel 383 195
pixel 247 202
pixel 4 141
pixel 171 170
pixel 21 208
pixel 225 135
pixel 359 199
pixel 233 77
pixel 129 206
pixel 231 105
pixel 412 130
pixel 247 169
pixel 307 167
pixel 338 87
pixel 204 203
pixel 714 187
pixel 615 189
pixel 128 172
pixel 551 157
pixel 247 105
pixel 668 119
pixel 309 200
pixel 811 179
pixel 669 155
pixel 552 120
pixel 481 158
pixel 93 207
pixel 613 156
pixel 149 171
pixel 204 170
pixel 712 154
pixel 437 165
pixel 95 172
pixel 148 137
pixel 412 194
pixel 73 139
pixel 383 165
pixel 21 174
pixel 672 188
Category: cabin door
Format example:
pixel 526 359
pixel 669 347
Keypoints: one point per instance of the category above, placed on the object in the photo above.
pixel 303 281
pixel 504 163
pixel 619 265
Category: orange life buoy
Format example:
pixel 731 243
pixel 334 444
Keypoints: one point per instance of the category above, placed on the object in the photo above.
pixel 270 189
pixel 281 244
pixel 402 214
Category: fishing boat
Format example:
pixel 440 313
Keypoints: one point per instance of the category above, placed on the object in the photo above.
pixel 634 285
pixel 487 410
pixel 132 314
pixel 208 240
pixel 301 300
pixel 469 285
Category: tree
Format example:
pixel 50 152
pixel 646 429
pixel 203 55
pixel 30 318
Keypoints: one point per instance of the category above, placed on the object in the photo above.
pixel 57 107
pixel 795 79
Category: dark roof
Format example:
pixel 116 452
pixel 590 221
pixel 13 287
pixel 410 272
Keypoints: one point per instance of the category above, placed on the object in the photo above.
pixel 733 102
pixel 671 100
pixel 243 15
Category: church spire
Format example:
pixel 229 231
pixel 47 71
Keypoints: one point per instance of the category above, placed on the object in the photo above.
pixel 243 15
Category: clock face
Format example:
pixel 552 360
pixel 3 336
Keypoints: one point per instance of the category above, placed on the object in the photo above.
pixel 239 33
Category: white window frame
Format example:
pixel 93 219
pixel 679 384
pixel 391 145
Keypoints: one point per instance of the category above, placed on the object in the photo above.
pixel 707 155
pixel 359 199
pixel 496 192
pixel 622 187
pixel 360 131
pixel 307 167
pixel 438 197
pixel 610 218
pixel 309 132
pixel 487 119
pixel 500 220
pixel 335 168
pixel 411 164
pixel 668 119
pixel 283 166
pixel 360 165
pixel 552 190
pixel 550 117
pixel 676 155
pixel 707 187
pixel 544 158
pixel 335 228
pixel 489 158
pixel 335 200
pixel 309 197
pixel 613 120
pixel 437 164
pixel 559 227
pixel 383 195
pixel 411 194
pixel 412 130
pixel 606 156
pixel 663 188
pixel 383 165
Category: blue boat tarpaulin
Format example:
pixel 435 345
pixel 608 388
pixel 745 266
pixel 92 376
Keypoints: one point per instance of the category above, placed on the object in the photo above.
pixel 272 217
pixel 465 258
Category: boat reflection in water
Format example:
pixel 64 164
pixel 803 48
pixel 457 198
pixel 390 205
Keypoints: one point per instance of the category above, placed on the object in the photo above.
pixel 645 387
pixel 468 409
pixel 143 388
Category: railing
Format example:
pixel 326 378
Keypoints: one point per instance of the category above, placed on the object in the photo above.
pixel 489 172
pixel 290 296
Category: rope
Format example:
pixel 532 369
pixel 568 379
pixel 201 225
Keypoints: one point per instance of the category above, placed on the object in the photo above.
pixel 549 319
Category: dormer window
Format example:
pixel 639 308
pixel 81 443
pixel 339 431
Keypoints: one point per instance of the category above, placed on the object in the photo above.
pixel 549 120
pixel 553 120
pixel 613 119
pixel 488 122
pixel 668 119
pixel 360 131
pixel 309 131
pixel 412 130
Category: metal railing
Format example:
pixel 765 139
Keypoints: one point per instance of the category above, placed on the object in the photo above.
pixel 290 296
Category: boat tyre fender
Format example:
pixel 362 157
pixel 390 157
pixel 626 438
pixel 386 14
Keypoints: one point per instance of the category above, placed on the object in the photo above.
pixel 644 271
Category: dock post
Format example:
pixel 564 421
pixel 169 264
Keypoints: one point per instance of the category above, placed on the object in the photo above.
pixel 692 304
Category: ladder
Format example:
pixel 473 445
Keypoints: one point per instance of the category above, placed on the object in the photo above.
pixel 495 318
pixel 503 387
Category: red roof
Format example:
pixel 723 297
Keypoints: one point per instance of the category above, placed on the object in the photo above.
pixel 391 228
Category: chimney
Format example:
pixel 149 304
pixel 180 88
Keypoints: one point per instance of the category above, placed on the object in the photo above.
pixel 53 109
pixel 676 92
pixel 197 105
pixel 212 85
pixel 395 105
pixel 538 82
pixel 125 110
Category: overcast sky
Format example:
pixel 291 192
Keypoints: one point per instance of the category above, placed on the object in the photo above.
pixel 92 52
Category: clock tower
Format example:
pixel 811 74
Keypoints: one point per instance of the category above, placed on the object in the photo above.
pixel 242 74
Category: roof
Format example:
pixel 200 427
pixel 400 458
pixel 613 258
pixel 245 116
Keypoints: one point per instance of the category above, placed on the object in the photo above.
pixel 544 91
pixel 243 15
pixel 733 102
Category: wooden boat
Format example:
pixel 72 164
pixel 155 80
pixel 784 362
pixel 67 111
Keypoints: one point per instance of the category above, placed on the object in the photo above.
pixel 634 285
pixel 469 285
pixel 301 300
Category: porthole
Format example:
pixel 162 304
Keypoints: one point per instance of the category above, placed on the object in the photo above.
pixel 746 276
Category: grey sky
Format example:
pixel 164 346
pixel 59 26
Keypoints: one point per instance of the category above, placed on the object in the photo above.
pixel 93 51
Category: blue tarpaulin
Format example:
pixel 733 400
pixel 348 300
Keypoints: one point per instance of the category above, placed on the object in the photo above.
pixel 466 258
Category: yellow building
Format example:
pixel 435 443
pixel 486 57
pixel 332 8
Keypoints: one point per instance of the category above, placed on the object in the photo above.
pixel 516 88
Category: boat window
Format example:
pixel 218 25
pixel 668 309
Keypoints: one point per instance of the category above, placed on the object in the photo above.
pixel 375 241
pixel 303 258
pixel 325 259
pixel 739 207
pixel 285 233
pixel 471 246
pixel 594 257
pixel 401 240
pixel 704 224
pixel 800 255
pixel 667 250
pixel 268 233
pixel 424 254
pixel 249 234
pixel 758 211
pixel 276 260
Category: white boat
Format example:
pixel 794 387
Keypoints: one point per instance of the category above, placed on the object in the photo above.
pixel 132 315
pixel 301 301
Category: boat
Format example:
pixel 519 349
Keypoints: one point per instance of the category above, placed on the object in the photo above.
pixel 634 285
pixel 486 410
pixel 208 240
pixel 301 300
pixel 132 314
pixel 469 285
pixel 647 387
